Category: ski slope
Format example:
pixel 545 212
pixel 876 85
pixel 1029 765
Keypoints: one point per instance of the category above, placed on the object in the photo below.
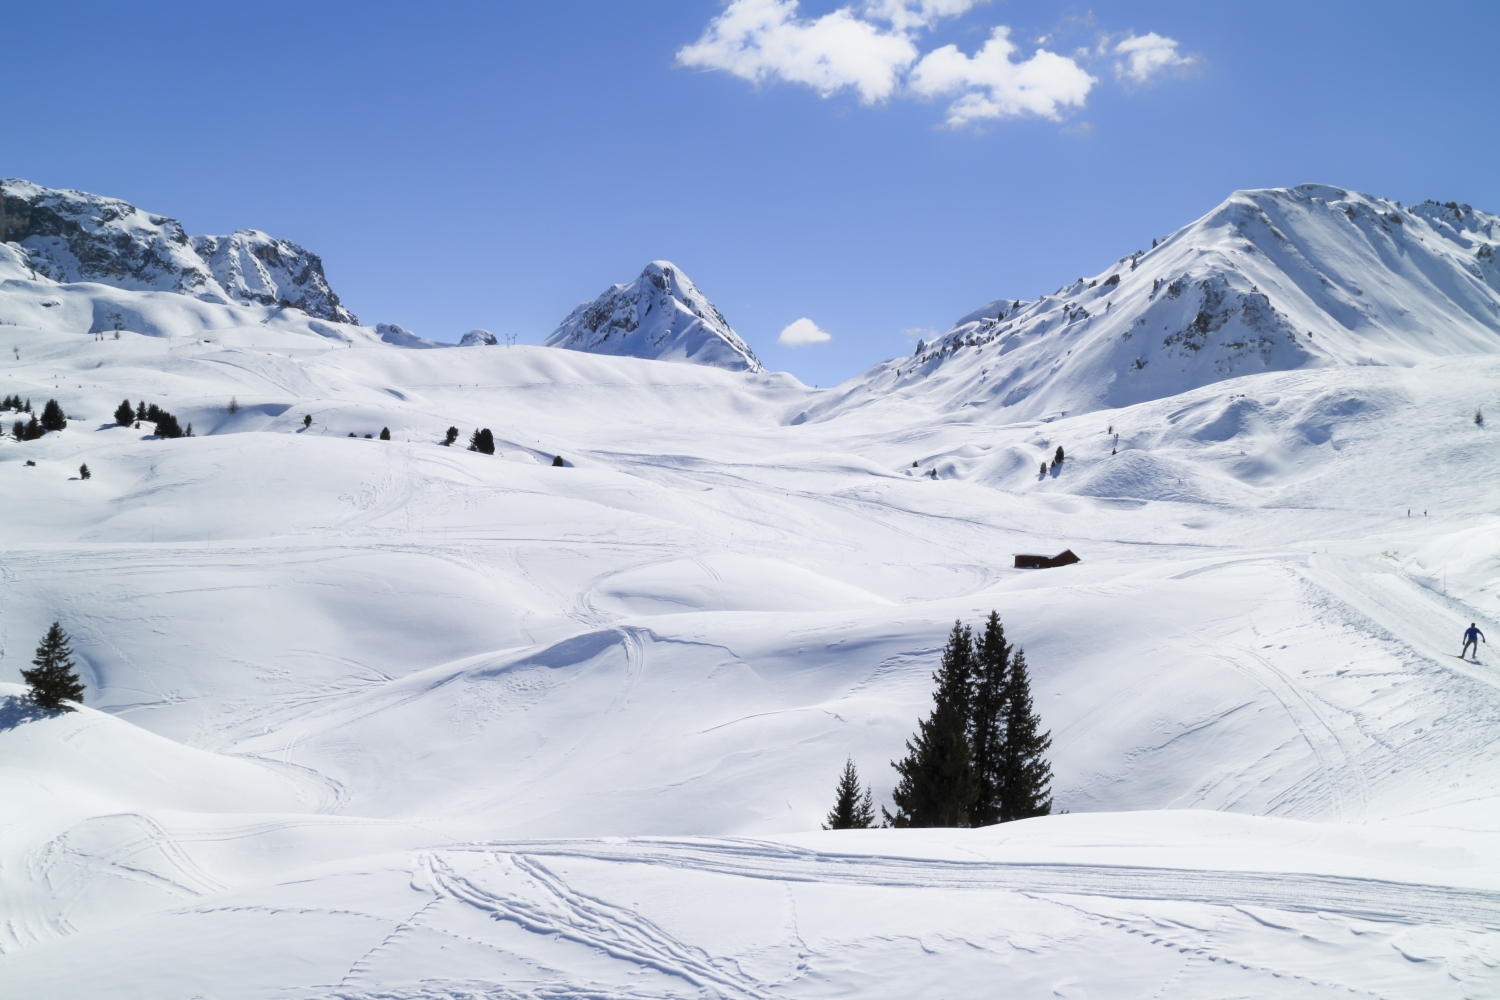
pixel 391 719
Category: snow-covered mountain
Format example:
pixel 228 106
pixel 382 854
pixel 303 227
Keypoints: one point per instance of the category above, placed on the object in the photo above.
pixel 478 338
pixel 1270 280
pixel 661 315
pixel 73 236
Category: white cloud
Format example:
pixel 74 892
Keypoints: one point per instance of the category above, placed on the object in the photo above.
pixel 803 332
pixel 873 50
pixel 991 84
pixel 910 15
pixel 1147 55
pixel 760 39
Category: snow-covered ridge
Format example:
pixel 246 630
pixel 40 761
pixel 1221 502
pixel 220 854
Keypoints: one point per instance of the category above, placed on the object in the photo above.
pixel 660 315
pixel 72 236
pixel 1270 280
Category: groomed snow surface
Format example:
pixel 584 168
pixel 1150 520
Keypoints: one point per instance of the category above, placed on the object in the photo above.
pixel 387 719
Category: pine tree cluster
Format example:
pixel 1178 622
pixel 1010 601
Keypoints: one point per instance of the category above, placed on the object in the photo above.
pixel 53 680
pixel 53 419
pixel 166 424
pixel 978 759
pixel 482 441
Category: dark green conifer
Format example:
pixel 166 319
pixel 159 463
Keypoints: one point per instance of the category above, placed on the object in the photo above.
pixel 385 433
pixel 307 420
pixel 451 436
pixel 124 415
pixel 83 471
pixel 987 713
pixel 482 441
pixel 937 783
pixel 557 462
pixel 52 416
pixel 851 811
pixel 53 681
pixel 1058 460
pixel 1026 786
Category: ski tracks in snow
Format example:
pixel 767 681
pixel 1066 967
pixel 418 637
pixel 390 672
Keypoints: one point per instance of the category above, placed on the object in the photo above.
pixel 551 907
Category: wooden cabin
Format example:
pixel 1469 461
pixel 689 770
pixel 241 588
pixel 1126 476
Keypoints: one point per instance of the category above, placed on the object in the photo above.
pixel 1063 558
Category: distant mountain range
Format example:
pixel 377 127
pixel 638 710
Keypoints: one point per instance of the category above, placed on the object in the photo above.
pixel 1270 280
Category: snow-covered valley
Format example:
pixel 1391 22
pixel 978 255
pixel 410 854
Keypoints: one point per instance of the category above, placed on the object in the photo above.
pixel 385 718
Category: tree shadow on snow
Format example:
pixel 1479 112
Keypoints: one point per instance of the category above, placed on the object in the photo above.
pixel 16 710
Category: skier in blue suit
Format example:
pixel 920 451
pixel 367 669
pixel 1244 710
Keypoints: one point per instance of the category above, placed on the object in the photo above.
pixel 1471 638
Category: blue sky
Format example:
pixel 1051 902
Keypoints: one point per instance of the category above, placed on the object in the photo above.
pixel 492 165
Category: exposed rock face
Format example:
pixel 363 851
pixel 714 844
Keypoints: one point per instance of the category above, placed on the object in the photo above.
pixel 660 315
pixel 476 338
pixel 75 236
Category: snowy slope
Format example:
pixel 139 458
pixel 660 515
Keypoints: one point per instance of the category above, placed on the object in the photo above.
pixel 72 236
pixel 1271 280
pixel 387 719
pixel 660 315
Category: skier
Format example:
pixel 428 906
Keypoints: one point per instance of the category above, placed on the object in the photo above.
pixel 1471 638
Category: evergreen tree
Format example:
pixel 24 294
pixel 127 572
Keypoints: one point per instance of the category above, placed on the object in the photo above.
pixel 1058 460
pixel 937 776
pixel 557 462
pixel 307 420
pixel 385 433
pixel 1027 779
pixel 52 417
pixel 234 405
pixel 482 441
pixel 851 811
pixel 124 415
pixel 166 425
pixel 451 436
pixel 53 682
pixel 987 714
pixel 83 471
pixel 140 411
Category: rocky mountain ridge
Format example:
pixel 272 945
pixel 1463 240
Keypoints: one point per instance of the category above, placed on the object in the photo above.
pixel 74 236
pixel 1270 280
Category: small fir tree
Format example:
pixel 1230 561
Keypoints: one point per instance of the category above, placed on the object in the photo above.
pixel 482 441
pixel 1058 460
pixel 307 420
pixel 385 433
pixel 1043 470
pixel 234 405
pixel 937 784
pixel 53 681
pixel 557 462
pixel 166 425
pixel 140 411
pixel 1026 786
pixel 124 415
pixel 83 471
pixel 987 716
pixel 851 811
pixel 451 436
pixel 1478 416
pixel 52 417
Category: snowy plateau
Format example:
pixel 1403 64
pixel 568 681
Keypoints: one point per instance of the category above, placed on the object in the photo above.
pixel 387 719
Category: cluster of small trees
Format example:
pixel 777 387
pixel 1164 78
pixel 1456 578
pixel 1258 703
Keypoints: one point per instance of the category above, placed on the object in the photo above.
pixel 53 677
pixel 1057 460
pixel 14 403
pixel 166 424
pixel 979 758
pixel 53 419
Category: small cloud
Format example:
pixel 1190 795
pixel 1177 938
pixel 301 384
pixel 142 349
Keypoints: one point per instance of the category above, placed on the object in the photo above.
pixel 1149 55
pixel 918 333
pixel 1080 129
pixel 803 332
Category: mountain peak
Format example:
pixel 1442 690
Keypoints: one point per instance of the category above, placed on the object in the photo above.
pixel 1271 279
pixel 662 316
